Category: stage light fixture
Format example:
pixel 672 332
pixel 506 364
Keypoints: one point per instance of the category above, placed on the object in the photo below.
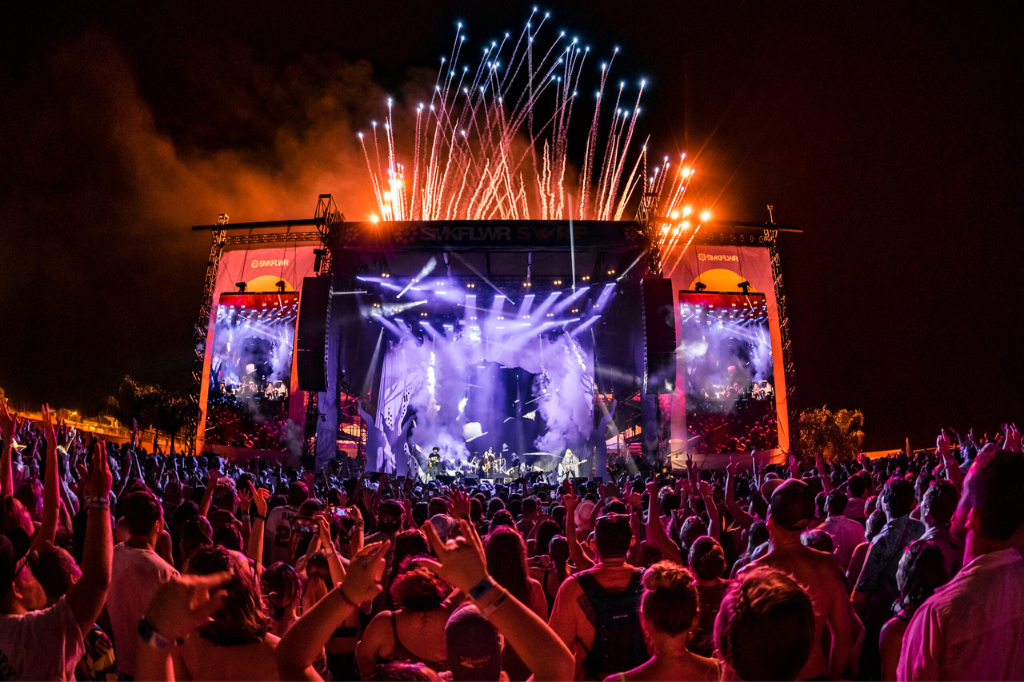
pixel 241 287
pixel 745 286
pixel 281 284
pixel 318 261
pixel 586 278
pixel 699 287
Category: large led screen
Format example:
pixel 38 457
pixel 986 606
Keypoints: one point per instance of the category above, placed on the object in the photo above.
pixel 730 385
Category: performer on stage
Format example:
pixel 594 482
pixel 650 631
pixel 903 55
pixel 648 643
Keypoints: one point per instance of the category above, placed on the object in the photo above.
pixel 434 463
pixel 489 464
pixel 570 465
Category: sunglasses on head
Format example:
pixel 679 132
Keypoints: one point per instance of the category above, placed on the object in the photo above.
pixel 31 559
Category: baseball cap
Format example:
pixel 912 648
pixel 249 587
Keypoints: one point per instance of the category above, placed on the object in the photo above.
pixel 14 548
pixel 792 505
pixel 474 646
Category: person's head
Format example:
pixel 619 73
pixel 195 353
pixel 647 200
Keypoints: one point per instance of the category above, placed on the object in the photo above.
pixel 613 537
pixel 669 501
pixel 897 497
pixel 297 494
pixel 196 533
pixel 389 516
pixel 757 535
pixel 693 527
pixel 707 558
pixel 558 550
pixel 939 504
pixel 418 589
pixel 403 671
pixel 494 505
pixel 409 543
pixel 765 626
pixel 501 518
pixel 144 515
pixel 530 506
pixel 56 572
pixel 857 486
pixel 506 561
pixel 921 484
pixel 991 509
pixel 30 494
pixel 791 508
pixel 669 604
pixel 474 646
pixel 874 525
pixel 835 503
pixel 21 590
pixel 922 570
pixel 545 531
pixel 282 587
pixel 437 506
pixel 243 618
pixel 228 536
pixel 819 540
pixel 14 515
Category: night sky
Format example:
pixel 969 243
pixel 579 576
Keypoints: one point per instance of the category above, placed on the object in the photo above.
pixel 891 132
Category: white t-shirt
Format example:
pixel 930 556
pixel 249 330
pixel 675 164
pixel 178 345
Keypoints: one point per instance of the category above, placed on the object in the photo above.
pixel 134 577
pixel 41 645
pixel 277 534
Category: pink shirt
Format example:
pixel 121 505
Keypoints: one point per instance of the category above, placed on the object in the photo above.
pixel 41 645
pixel 846 535
pixel 972 628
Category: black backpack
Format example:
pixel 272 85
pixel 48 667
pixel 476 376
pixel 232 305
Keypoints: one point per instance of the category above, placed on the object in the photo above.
pixel 619 643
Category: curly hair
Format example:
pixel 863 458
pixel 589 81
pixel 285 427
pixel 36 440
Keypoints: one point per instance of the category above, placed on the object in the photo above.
pixel 765 605
pixel 922 570
pixel 418 589
pixel 670 598
pixel 243 619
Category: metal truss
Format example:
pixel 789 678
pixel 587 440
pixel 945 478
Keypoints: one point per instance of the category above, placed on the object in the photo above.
pixel 770 239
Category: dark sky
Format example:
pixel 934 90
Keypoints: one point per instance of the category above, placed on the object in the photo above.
pixel 892 132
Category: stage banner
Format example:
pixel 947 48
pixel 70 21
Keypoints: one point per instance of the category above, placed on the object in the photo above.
pixel 492 235
pixel 249 396
pixel 700 272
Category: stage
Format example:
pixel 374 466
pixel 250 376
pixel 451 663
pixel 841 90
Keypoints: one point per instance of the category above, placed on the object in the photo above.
pixel 499 341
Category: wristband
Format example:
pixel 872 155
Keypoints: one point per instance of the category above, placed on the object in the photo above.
pixel 153 638
pixel 97 503
pixel 481 589
pixel 261 517
pixel 490 609
pixel 346 598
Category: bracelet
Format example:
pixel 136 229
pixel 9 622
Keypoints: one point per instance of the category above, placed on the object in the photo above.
pixel 261 517
pixel 481 589
pixel 150 636
pixel 490 609
pixel 97 503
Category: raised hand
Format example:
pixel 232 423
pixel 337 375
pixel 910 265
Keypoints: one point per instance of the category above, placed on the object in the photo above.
pixel 704 488
pixel 459 503
pixel 50 432
pixel 324 528
pixel 731 467
pixel 97 479
pixel 259 498
pixel 942 444
pixel 213 475
pixel 462 560
pixel 1012 439
pixel 8 422
pixel 186 602
pixel 245 499
pixel 569 500
pixel 632 499
pixel 364 573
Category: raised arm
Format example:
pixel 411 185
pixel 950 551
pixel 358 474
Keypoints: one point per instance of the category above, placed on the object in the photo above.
pixel 669 549
pixel 87 596
pixel 330 553
pixel 826 480
pixel 707 494
pixel 51 487
pixel 953 472
pixel 211 485
pixel 576 552
pixel 634 501
pixel 462 564
pixel 254 547
pixel 740 515
pixel 306 638
pixel 8 427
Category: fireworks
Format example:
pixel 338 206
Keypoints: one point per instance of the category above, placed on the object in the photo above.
pixel 493 142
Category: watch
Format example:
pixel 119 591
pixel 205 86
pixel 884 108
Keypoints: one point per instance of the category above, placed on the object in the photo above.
pixel 153 638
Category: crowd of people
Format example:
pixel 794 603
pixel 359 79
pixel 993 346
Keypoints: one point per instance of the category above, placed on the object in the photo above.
pixel 116 563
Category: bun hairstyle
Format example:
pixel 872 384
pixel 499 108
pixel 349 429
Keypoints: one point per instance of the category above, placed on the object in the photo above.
pixel 669 601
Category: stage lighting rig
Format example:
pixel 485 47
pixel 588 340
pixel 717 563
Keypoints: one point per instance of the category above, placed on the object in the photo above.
pixel 745 286
pixel 318 261
pixel 699 287
pixel 241 287
pixel 281 284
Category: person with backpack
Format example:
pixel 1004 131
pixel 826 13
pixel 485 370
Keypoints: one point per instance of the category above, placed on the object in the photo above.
pixel 597 611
